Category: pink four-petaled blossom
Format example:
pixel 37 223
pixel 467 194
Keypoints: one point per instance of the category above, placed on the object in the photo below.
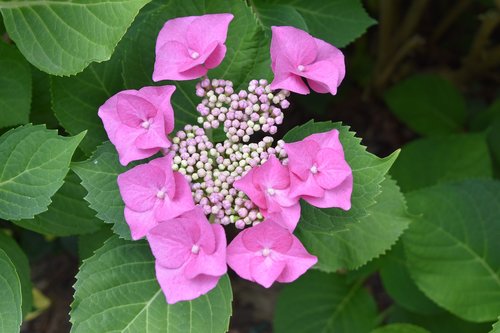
pixel 319 172
pixel 153 193
pixel 187 47
pixel 137 121
pixel 190 255
pixel 268 186
pixel 267 253
pixel 295 55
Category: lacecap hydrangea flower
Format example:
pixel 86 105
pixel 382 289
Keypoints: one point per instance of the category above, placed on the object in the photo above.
pixel 181 199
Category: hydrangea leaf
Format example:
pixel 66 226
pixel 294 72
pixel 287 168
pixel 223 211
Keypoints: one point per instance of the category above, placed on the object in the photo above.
pixel 400 286
pixel 452 247
pixel 15 83
pixel 41 107
pixel 10 296
pixel 400 328
pixel 270 14
pixel 496 327
pixel 334 235
pixel 348 18
pixel 89 243
pixel 62 37
pixel 33 164
pixel 98 175
pixel 428 161
pixel 443 322
pixel 68 214
pixel 244 60
pixel 20 262
pixel 116 290
pixel 428 104
pixel 320 302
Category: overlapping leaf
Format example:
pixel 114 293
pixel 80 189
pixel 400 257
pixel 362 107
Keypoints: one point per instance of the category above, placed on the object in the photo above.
pixel 63 37
pixel 15 83
pixel 68 214
pixel 400 328
pixel 116 290
pixel 33 164
pixel 452 248
pixel 10 296
pixel 320 302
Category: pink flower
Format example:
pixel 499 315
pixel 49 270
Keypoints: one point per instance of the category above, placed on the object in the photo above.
pixel 190 255
pixel 320 173
pixel 268 252
pixel 153 193
pixel 268 186
pixel 187 47
pixel 295 55
pixel 138 121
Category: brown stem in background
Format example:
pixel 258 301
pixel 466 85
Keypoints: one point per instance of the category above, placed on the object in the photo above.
pixel 411 20
pixel 387 20
pixel 448 20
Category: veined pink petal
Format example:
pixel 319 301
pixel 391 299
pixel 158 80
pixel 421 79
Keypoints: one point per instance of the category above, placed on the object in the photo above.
pixel 177 287
pixel 246 184
pixel 272 175
pixel 332 168
pixel 239 256
pixel 140 222
pixel 287 217
pixel 266 235
pixel 298 261
pixel 308 187
pixel 160 97
pixel 264 270
pixel 216 56
pixel 323 76
pixel 301 157
pixel 207 29
pixel 294 45
pixel 339 196
pixel 133 110
pixel 180 202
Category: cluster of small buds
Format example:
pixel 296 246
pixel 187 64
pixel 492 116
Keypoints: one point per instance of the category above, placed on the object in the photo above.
pixel 243 113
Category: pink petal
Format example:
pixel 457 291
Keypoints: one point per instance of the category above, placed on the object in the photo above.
pixel 177 287
pixel 154 137
pixel 272 174
pixel 328 139
pixel 170 59
pixel 206 29
pixel 173 30
pixel 139 186
pixel 288 217
pixel 307 187
pixel 246 184
pixel 216 56
pixel 323 76
pixel 332 168
pixel 133 110
pixel 264 270
pixel 199 229
pixel 160 97
pixel 298 261
pixel 238 257
pixel 301 157
pixel 180 202
pixel 332 54
pixel 289 81
pixel 339 196
pixel 213 264
pixel 140 222
pixel 266 234
pixel 294 45
pixel 170 243
pixel 165 163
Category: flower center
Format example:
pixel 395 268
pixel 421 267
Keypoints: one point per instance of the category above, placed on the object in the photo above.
pixel 195 55
pixel 160 194
pixel 271 191
pixel 195 249
pixel 314 169
pixel 301 68
pixel 145 124
pixel 266 252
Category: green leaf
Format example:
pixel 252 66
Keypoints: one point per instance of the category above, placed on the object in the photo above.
pixel 428 104
pixel 76 100
pixel 10 296
pixel 33 164
pixel 429 161
pixel 320 302
pixel 496 327
pixel 41 107
pixel 452 247
pixel 20 261
pixel 15 87
pixel 98 175
pixel 62 37
pixel 116 290
pixel 439 323
pixel 399 285
pixel 400 328
pixel 482 120
pixel 247 55
pixel 338 22
pixel 89 243
pixel 326 232
pixel 68 214
pixel 275 14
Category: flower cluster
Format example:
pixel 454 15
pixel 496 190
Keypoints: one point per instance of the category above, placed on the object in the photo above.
pixel 181 200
